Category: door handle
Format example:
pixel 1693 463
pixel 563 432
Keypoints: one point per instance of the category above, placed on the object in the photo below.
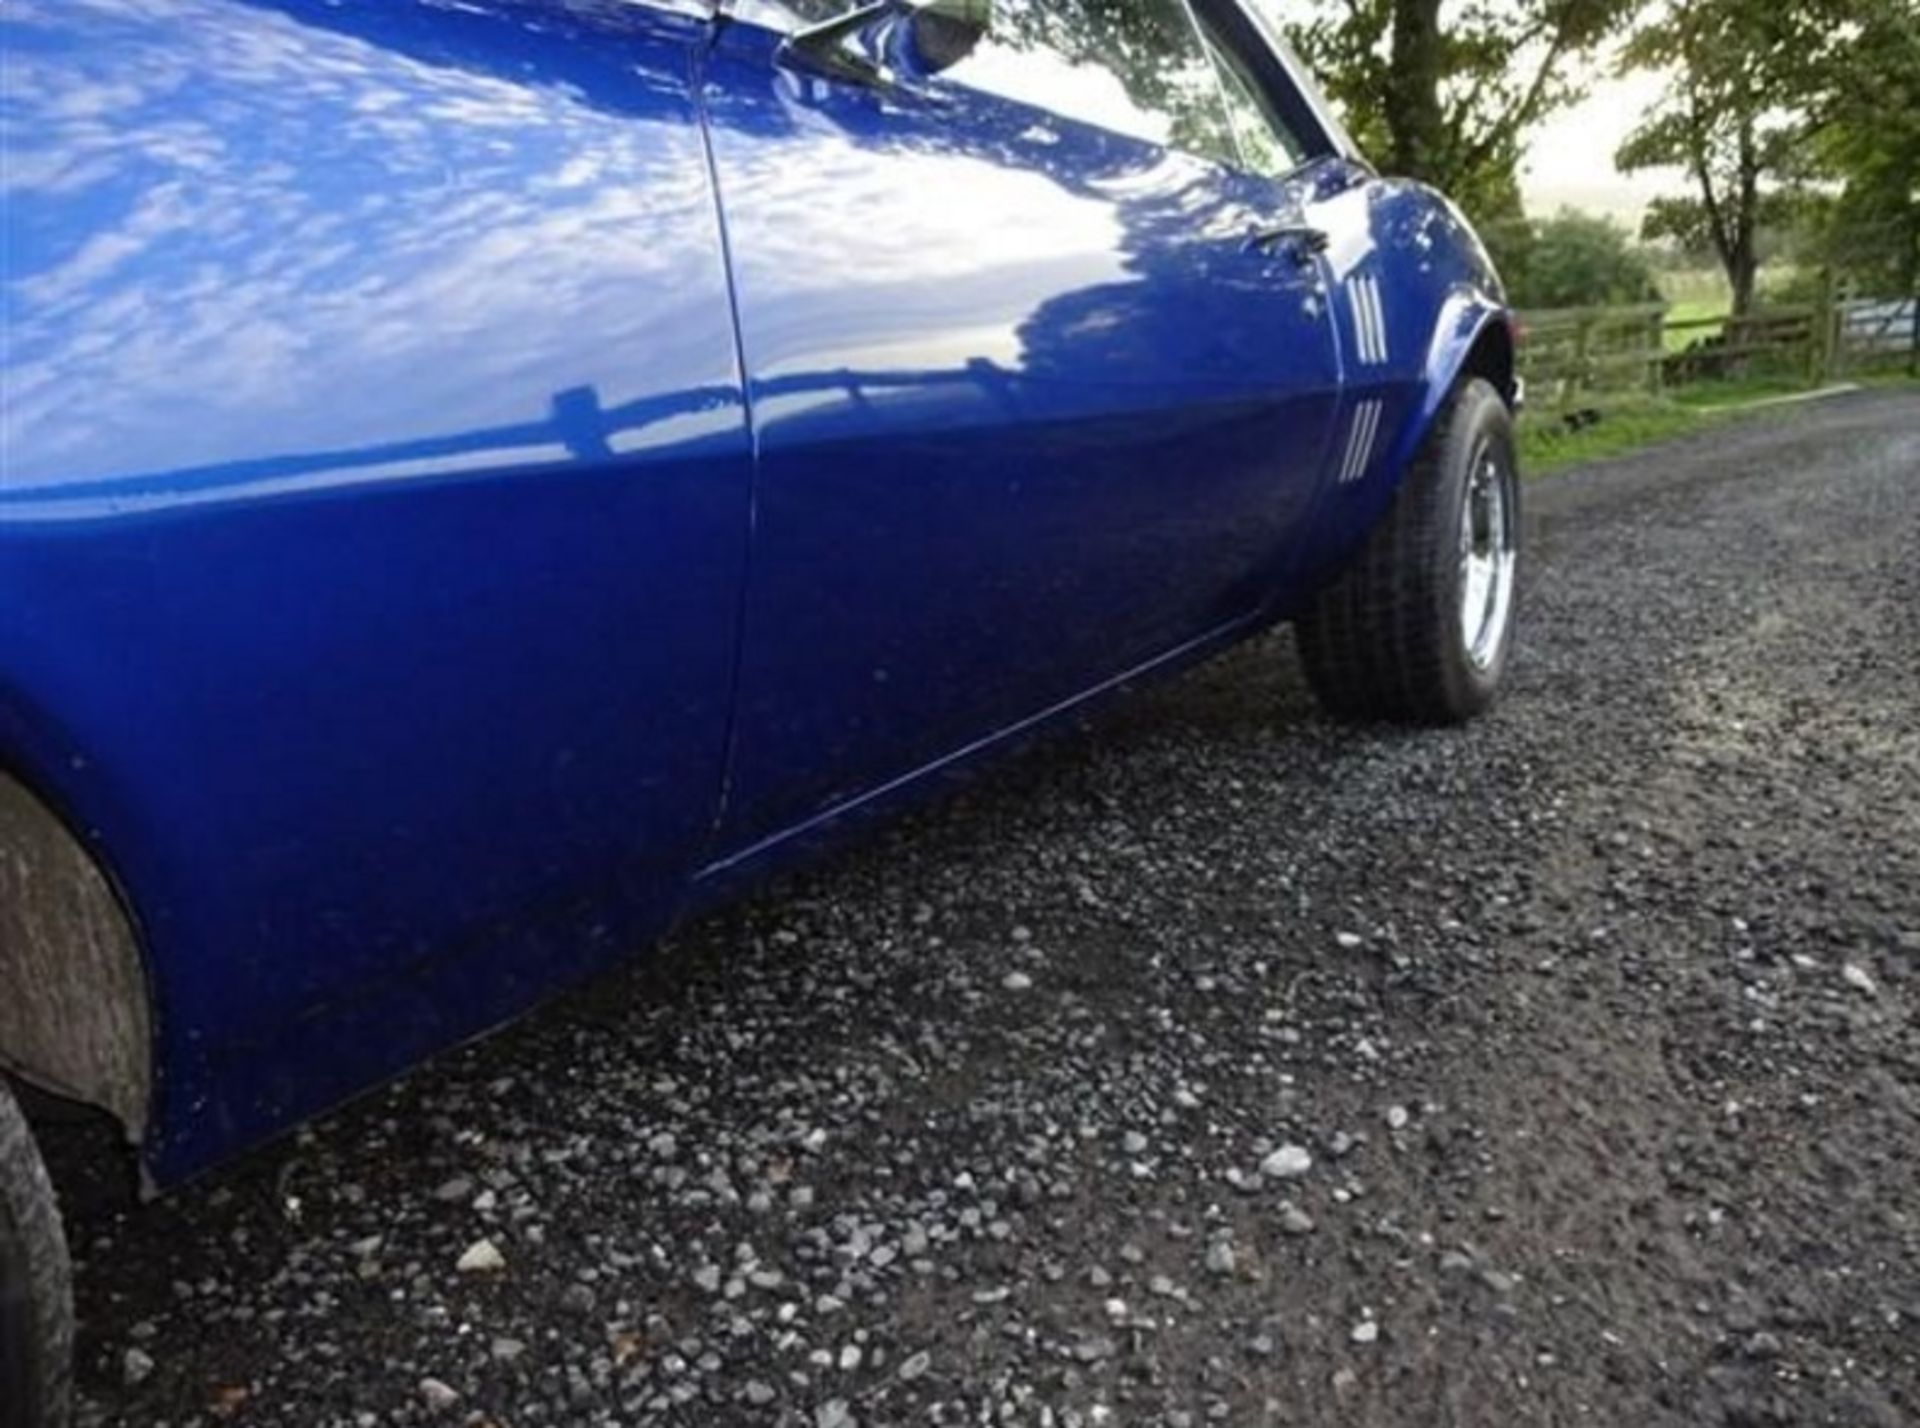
pixel 1303 241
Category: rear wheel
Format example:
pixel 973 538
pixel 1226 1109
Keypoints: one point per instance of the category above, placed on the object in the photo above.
pixel 36 1298
pixel 1419 627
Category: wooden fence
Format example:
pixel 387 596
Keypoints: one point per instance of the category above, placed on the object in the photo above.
pixel 1571 354
pixel 1567 353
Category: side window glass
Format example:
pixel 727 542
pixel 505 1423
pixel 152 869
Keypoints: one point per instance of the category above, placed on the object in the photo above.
pixel 812 12
pixel 1136 67
pixel 1267 146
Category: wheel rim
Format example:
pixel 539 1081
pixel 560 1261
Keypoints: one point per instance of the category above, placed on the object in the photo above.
pixel 1486 560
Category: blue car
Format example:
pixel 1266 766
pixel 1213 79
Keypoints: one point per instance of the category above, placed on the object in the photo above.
pixel 481 481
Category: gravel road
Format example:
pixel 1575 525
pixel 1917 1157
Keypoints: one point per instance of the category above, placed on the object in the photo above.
pixel 1216 1064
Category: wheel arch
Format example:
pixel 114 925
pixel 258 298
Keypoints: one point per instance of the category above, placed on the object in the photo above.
pixel 76 1005
pixel 1474 337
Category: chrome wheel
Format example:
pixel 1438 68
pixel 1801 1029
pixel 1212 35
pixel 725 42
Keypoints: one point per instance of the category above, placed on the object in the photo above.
pixel 1487 545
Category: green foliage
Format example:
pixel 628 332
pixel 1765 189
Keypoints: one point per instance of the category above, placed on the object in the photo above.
pixel 1577 260
pixel 1734 116
pixel 1787 116
pixel 1867 137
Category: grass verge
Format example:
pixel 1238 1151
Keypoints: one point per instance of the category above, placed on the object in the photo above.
pixel 1628 423
pixel 1546 445
pixel 1707 396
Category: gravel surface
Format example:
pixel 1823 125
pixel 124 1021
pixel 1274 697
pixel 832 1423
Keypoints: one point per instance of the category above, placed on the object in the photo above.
pixel 1216 1065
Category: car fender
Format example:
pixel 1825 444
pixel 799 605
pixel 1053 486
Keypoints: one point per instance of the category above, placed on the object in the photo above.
pixel 1473 330
pixel 1444 312
pixel 1473 333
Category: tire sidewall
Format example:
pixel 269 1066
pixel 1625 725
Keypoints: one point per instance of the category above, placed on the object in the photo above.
pixel 36 1314
pixel 1479 422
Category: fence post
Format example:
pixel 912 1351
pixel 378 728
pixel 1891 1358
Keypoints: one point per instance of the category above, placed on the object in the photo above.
pixel 1583 353
pixel 1824 338
pixel 1657 352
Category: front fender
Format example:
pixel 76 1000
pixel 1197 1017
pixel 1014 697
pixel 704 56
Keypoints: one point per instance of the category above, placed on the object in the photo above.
pixel 1474 331
pixel 1421 306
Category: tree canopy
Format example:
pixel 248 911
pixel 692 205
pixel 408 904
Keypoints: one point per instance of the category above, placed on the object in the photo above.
pixel 1446 90
pixel 1575 259
pixel 1866 136
pixel 1765 99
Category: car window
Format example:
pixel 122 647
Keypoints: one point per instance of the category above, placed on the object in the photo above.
pixel 1136 67
pixel 813 11
pixel 1266 143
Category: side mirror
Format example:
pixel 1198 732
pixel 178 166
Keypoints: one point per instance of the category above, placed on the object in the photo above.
pixel 878 43
pixel 944 32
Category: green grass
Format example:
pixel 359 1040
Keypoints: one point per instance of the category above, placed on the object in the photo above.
pixel 1884 377
pixel 1733 392
pixel 1678 339
pixel 1547 446
pixel 1628 423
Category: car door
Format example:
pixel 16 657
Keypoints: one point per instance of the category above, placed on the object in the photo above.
pixel 374 482
pixel 1041 384
pixel 1329 190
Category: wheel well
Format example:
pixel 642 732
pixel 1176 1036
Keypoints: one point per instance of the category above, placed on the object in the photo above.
pixel 75 1017
pixel 1492 357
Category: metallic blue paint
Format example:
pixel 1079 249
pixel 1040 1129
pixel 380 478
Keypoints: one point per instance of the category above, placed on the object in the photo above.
pixel 478 480
pixel 1013 440
pixel 374 510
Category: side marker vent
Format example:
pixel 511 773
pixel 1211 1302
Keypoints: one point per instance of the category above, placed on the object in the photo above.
pixel 1360 442
pixel 1369 322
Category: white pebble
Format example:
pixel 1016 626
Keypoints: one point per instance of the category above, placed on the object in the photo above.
pixel 1289 1162
pixel 438 1396
pixel 482 1257
pixel 1859 979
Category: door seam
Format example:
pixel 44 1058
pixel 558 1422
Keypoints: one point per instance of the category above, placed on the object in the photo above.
pixel 698 81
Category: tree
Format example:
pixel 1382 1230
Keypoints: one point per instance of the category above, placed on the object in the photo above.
pixel 1577 260
pixel 1445 91
pixel 1736 116
pixel 1866 136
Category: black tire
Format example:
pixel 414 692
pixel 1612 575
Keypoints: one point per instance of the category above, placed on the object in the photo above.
pixel 1388 639
pixel 36 1285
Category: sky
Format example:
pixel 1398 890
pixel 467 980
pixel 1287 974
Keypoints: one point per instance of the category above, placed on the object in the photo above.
pixel 1569 159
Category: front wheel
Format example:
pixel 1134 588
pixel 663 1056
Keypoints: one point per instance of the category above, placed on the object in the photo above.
pixel 1419 627
pixel 36 1300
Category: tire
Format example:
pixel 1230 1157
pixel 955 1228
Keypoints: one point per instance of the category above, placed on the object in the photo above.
pixel 1413 630
pixel 36 1285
